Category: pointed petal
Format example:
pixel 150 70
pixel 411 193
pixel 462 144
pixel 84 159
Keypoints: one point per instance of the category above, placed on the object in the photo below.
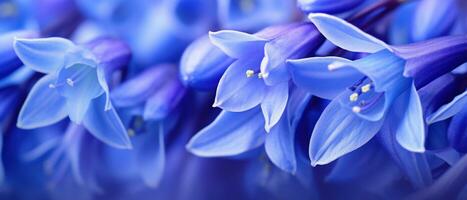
pixel 43 106
pixel 237 92
pixel 346 35
pixel 450 109
pixel 106 125
pixel 237 44
pixel 313 75
pixel 407 116
pixel 338 132
pixel 44 55
pixel 103 83
pixel 273 104
pixel 414 165
pixel 151 155
pixel 230 134
pixel 279 146
pixel 457 131
pixel 442 16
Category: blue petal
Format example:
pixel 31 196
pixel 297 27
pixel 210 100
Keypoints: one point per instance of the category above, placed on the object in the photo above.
pixel 44 55
pixel 161 103
pixel 314 75
pixel 407 118
pixel 43 106
pixel 280 147
pixel 151 155
pixel 230 134
pixel 17 77
pixel 237 92
pixel 457 131
pixel 450 109
pixel 433 19
pixel 346 35
pixel 203 64
pixel 338 132
pixel 273 104
pixel 414 165
pixel 106 124
pixel 237 44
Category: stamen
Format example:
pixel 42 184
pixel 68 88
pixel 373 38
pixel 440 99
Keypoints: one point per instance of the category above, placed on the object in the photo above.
pixel 70 82
pixel 263 75
pixel 249 73
pixel 356 109
pixel 353 97
pixel 366 88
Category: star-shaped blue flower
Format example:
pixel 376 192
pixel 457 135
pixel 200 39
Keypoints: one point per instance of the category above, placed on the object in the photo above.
pixel 74 86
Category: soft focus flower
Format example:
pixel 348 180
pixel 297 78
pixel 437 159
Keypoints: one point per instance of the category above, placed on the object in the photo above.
pixel 74 86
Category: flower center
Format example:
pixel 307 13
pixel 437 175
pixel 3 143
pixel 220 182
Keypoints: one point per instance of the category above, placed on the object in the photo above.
pixel 363 96
pixel 78 80
pixel 250 73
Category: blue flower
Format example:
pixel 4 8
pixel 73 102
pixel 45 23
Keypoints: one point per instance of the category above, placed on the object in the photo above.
pixel 74 85
pixel 147 102
pixel 375 91
pixel 259 75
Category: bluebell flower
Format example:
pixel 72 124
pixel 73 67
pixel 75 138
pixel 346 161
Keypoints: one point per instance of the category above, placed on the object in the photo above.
pixel 148 101
pixel 259 75
pixel 74 85
pixel 328 6
pixel 252 15
pixel 202 64
pixel 373 91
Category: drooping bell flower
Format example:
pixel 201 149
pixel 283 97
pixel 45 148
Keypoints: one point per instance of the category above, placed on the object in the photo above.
pixel 259 75
pixel 149 100
pixel 375 90
pixel 202 64
pixel 74 85
pixel 253 15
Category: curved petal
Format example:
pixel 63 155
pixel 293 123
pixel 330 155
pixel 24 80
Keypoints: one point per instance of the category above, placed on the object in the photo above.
pixel 407 115
pixel 338 132
pixel 280 147
pixel 237 44
pixel 43 106
pixel 457 131
pixel 230 134
pixel 106 125
pixel 151 155
pixel 450 109
pixel 414 165
pixel 273 104
pixel 237 92
pixel 44 55
pixel 313 74
pixel 441 17
pixel 346 35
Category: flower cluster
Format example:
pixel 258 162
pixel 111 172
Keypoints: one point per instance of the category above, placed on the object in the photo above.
pixel 236 99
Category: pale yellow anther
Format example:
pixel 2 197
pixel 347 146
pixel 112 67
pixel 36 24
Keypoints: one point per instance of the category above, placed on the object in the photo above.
pixel 70 82
pixel 356 109
pixel 249 73
pixel 366 88
pixel 353 97
pixel 263 75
